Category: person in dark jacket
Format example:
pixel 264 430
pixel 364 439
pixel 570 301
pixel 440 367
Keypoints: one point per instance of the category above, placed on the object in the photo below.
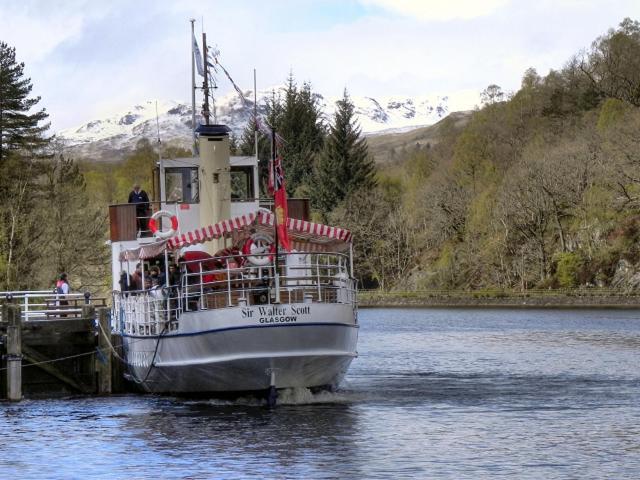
pixel 141 200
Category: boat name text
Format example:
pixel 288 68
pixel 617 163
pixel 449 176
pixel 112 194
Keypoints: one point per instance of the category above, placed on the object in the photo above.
pixel 277 313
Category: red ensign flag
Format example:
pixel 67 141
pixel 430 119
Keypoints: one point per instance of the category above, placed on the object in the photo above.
pixel 277 186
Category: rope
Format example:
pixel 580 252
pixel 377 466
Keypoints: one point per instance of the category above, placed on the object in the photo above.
pixel 57 359
pixel 113 350
pixel 93 352
pixel 164 330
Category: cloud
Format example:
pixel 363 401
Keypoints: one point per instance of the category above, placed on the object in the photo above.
pixel 439 10
pixel 89 59
pixel 36 29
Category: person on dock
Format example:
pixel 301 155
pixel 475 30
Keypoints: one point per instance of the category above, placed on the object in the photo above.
pixel 141 200
pixel 62 289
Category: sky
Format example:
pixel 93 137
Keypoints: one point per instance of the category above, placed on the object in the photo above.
pixel 90 59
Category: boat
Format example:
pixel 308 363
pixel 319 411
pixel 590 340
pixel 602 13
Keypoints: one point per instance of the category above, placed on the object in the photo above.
pixel 229 310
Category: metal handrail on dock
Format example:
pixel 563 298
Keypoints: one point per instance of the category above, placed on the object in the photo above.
pixel 46 305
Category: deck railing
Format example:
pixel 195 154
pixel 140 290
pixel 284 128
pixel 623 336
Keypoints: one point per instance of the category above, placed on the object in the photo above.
pixel 305 278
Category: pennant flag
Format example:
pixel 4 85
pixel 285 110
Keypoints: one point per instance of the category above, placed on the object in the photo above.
pixel 277 185
pixel 198 56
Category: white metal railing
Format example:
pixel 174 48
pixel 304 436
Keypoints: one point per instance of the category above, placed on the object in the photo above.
pixel 44 304
pixel 150 312
pixel 303 277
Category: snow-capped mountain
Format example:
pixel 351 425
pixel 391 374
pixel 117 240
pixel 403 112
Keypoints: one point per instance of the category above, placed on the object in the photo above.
pixel 107 139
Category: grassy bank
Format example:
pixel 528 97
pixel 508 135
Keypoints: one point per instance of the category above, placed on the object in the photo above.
pixel 559 298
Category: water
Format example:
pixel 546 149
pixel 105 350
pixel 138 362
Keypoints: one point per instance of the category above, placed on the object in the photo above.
pixel 434 394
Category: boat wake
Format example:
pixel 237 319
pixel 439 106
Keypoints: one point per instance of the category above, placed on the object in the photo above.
pixel 286 396
pixel 304 396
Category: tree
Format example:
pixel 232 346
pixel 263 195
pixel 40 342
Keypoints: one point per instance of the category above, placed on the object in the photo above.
pixel 383 237
pixel 19 130
pixel 300 124
pixel 75 229
pixel 492 94
pixel 613 63
pixel 22 140
pixel 344 165
pixel 273 109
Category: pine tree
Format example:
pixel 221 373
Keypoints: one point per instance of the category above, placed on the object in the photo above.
pixel 22 144
pixel 19 130
pixel 296 117
pixel 344 165
pixel 300 124
pixel 273 109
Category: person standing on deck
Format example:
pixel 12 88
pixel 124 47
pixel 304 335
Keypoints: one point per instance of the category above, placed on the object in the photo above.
pixel 141 200
pixel 136 278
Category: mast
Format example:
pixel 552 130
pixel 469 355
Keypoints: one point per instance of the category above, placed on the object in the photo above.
pixel 163 194
pixel 194 148
pixel 276 275
pixel 205 84
pixel 255 113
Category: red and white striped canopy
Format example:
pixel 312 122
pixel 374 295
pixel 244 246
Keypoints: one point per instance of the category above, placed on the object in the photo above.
pixel 304 236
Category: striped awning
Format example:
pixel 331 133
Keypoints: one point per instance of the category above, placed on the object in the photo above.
pixel 305 236
pixel 144 252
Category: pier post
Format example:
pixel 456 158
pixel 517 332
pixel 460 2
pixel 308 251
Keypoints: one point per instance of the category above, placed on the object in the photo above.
pixel 14 351
pixel 103 365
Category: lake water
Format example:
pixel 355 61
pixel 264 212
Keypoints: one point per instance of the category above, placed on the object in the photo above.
pixel 435 393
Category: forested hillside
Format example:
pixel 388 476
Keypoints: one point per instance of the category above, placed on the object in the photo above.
pixel 539 189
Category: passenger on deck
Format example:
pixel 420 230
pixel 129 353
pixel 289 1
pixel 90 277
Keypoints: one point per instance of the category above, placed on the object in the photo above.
pixel 174 276
pixel 136 278
pixel 125 283
pixel 141 200
pixel 154 273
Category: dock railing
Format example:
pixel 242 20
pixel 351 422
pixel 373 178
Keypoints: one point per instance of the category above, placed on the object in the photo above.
pixel 46 305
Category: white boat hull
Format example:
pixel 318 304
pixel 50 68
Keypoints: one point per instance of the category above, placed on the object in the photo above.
pixel 240 349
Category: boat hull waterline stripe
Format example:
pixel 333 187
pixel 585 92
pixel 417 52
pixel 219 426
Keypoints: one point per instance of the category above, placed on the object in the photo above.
pixel 243 327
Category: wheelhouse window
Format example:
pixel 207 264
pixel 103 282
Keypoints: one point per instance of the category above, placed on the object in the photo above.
pixel 242 187
pixel 181 184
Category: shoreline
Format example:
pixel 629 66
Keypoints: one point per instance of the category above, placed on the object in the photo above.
pixel 469 301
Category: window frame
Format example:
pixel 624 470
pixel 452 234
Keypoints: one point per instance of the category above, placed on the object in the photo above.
pixel 187 183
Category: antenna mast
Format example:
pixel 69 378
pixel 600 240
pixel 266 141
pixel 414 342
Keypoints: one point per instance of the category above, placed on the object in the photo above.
pixel 255 112
pixel 160 161
pixel 205 84
pixel 194 148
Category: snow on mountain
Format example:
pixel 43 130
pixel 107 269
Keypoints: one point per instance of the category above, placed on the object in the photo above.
pixel 107 139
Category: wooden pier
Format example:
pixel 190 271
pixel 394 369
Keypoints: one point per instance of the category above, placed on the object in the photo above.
pixel 57 350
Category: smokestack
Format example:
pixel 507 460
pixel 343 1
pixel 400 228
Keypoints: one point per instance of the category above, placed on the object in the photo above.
pixel 215 178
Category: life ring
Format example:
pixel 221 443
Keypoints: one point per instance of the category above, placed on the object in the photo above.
pixel 153 224
pixel 259 248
